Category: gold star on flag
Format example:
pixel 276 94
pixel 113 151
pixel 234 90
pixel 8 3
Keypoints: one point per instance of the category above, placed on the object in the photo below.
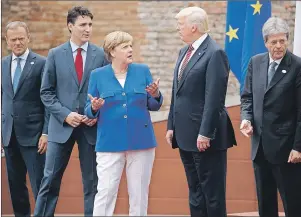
pixel 256 7
pixel 232 33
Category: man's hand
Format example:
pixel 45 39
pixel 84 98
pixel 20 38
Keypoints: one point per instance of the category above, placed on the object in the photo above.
pixel 74 119
pixel 246 128
pixel 203 143
pixel 169 136
pixel 42 146
pixel 153 89
pixel 96 103
pixel 89 122
pixel 294 157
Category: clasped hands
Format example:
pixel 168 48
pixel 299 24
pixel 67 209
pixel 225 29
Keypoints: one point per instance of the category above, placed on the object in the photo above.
pixel 246 129
pixel 74 120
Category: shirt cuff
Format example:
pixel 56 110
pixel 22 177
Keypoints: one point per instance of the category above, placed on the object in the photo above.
pixel 43 134
pixel 204 137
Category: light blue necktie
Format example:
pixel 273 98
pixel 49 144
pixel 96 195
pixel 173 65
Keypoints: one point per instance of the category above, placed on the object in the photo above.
pixel 17 74
pixel 272 71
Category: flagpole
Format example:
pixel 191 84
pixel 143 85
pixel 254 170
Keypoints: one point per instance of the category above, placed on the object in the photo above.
pixel 297 35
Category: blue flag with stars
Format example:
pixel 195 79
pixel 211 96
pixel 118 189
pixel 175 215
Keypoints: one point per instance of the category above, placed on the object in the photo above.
pixel 244 39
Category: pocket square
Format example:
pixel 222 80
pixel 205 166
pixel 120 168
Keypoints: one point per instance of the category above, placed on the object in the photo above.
pixel 31 63
pixel 283 71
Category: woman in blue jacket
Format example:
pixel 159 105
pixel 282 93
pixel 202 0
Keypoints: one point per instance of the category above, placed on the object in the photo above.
pixel 120 97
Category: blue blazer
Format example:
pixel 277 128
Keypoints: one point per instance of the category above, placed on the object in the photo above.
pixel 124 121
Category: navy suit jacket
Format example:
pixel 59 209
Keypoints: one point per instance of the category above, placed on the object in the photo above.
pixel 23 110
pixel 61 92
pixel 198 101
pixel 124 121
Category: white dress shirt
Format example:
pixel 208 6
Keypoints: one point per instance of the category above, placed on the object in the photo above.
pixel 276 61
pixel 14 62
pixel 84 47
pixel 195 46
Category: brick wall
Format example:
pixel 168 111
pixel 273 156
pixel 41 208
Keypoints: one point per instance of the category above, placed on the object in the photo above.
pixel 151 23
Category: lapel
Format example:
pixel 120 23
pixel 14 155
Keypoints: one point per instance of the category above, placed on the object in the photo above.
pixel 91 54
pixel 181 56
pixel 284 66
pixel 193 60
pixel 6 74
pixel 70 61
pixel 30 61
pixel 263 74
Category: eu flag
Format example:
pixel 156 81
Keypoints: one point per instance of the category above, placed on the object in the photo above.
pixel 244 33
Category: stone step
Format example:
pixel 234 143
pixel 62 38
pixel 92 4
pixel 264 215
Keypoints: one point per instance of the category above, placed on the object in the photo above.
pixel 250 214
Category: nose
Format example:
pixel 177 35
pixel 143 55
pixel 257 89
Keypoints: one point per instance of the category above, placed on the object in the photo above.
pixel 278 45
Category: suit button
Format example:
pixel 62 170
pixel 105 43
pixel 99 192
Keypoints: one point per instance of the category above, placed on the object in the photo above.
pixel 123 94
pixel 125 116
pixel 124 105
pixel 145 125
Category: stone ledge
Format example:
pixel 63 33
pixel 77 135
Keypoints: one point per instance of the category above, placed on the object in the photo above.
pixel 250 214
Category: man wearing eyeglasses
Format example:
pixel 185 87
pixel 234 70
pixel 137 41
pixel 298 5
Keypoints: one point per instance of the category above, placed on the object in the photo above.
pixel 271 114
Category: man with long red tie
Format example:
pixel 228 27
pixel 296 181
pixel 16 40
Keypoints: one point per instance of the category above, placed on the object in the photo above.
pixel 64 93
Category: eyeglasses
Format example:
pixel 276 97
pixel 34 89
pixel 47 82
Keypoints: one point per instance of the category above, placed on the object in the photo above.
pixel 281 42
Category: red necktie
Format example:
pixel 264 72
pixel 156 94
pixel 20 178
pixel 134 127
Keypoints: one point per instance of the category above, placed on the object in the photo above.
pixel 185 62
pixel 79 64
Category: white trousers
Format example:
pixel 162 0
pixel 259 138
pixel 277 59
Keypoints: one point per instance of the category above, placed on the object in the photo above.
pixel 110 165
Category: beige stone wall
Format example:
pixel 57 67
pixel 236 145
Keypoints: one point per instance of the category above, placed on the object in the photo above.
pixel 151 23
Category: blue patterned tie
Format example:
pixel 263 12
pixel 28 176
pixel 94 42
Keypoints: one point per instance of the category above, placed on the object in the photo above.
pixel 17 74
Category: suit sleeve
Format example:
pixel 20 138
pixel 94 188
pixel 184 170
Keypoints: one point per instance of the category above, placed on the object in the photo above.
pixel 247 96
pixel 215 92
pixel 297 142
pixel 48 91
pixel 92 90
pixel 170 120
pixel 153 104
pixel 170 115
pixel 46 112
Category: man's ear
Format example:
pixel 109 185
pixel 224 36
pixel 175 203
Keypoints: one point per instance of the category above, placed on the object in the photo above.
pixel 70 25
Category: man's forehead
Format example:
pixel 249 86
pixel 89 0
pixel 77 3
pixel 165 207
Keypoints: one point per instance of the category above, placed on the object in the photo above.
pixel 83 19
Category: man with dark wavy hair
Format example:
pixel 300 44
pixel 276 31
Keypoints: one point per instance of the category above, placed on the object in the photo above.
pixel 64 93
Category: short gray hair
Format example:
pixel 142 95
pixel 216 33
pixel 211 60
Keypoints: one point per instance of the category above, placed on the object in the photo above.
pixel 273 26
pixel 195 16
pixel 15 25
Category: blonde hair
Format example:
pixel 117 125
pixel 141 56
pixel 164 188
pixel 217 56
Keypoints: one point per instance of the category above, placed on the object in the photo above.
pixel 195 16
pixel 114 39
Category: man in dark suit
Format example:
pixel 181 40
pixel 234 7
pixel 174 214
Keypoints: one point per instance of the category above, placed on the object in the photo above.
pixel 24 120
pixel 271 113
pixel 198 123
pixel 64 93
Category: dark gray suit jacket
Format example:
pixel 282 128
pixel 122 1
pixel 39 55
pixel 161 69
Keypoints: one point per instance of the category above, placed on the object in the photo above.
pixel 23 110
pixel 274 110
pixel 198 102
pixel 61 92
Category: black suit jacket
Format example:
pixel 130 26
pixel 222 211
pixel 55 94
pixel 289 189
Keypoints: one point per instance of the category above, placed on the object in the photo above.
pixel 274 110
pixel 198 101
pixel 23 110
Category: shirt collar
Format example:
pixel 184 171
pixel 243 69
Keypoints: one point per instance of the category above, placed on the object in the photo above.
pixel 22 57
pixel 276 61
pixel 74 47
pixel 199 41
